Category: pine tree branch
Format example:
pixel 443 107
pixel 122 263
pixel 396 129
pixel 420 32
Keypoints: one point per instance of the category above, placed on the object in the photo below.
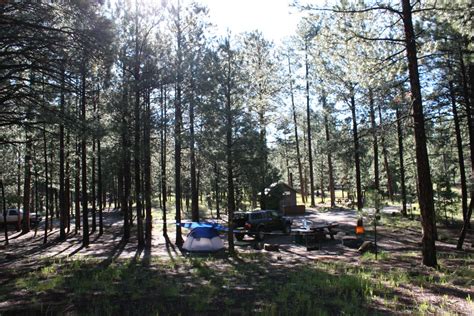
pixel 351 11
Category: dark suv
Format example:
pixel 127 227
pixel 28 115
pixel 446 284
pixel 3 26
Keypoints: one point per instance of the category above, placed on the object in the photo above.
pixel 256 223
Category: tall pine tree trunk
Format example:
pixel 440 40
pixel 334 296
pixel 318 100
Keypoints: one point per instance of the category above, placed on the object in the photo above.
pixel 462 169
pixel 51 189
pixel 468 95
pixel 67 184
pixel 177 162
pixel 425 186
pixel 62 198
pixel 4 211
pixel 329 154
pixel 46 177
pixel 147 171
pixel 163 160
pixel 93 184
pixel 136 147
pixel 298 153
pixel 177 129
pixel 375 143
pixel 125 202
pixel 356 152
pixel 308 128
pixel 85 211
pixel 35 202
pixel 321 181
pixel 18 188
pixel 27 187
pixel 194 191
pixel 94 169
pixel 230 175
pixel 263 159
pixel 77 188
pixel 385 157
pixel 100 189
pixel 229 149
pixel 216 189
pixel 401 161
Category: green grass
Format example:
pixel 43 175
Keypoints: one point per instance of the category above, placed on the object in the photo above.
pixel 311 290
pixel 381 255
pixel 249 282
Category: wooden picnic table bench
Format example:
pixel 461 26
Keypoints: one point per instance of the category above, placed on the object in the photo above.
pixel 325 229
pixel 314 233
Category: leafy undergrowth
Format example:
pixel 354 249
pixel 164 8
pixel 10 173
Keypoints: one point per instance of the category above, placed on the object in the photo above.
pixel 250 283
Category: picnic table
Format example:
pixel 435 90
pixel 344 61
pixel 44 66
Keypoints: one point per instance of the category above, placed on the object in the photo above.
pixel 314 233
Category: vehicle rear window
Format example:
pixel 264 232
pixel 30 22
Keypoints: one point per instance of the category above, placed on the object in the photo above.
pixel 240 216
pixel 258 215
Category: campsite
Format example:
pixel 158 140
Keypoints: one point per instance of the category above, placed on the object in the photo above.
pixel 112 276
pixel 223 157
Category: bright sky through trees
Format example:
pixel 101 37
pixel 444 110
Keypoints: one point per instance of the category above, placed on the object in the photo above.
pixel 274 18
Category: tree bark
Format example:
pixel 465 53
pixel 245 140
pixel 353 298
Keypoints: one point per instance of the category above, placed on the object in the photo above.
pixel 216 188
pixel 147 175
pixel 321 181
pixel 4 211
pixel 77 188
pixel 125 162
pixel 470 122
pixel 228 151
pixel 402 163
pixel 93 174
pixel 62 198
pixel 375 143
pixel 100 189
pixel 263 158
pixel 18 189
pixel 177 131
pixel 425 186
pixel 462 169
pixel 93 184
pixel 52 191
pixel 46 176
pixel 136 148
pixel 230 177
pixel 329 154
pixel 308 123
pixel 85 211
pixel 385 157
pixel 127 211
pixel 298 153
pixel 356 152
pixel 137 140
pixel 27 188
pixel 163 129
pixel 194 191
pixel 67 185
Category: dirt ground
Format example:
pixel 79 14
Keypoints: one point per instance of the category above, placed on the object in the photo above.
pixel 401 242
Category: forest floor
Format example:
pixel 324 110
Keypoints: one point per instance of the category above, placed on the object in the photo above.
pixel 113 277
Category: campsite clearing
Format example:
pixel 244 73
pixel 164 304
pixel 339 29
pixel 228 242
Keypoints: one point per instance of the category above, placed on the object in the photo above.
pixel 112 276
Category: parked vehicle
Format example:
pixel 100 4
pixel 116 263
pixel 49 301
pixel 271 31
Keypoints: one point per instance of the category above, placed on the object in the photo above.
pixel 14 213
pixel 257 223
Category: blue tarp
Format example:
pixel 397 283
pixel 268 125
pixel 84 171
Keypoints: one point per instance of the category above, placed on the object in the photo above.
pixel 204 232
pixel 208 225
